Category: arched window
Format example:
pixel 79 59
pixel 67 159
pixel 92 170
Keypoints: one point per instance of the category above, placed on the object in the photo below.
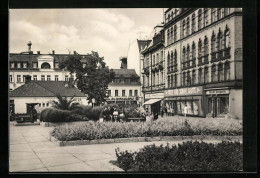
pixel 227 38
pixel 199 20
pixel 213 42
pixel 220 41
pixel 172 14
pixel 227 71
pixel 175 60
pixel 206 46
pixel 168 37
pixel 200 48
pixel 193 77
pixel 171 60
pixel 184 78
pixel 183 28
pixel 193 55
pixel 188 26
pixel 219 13
pixel 213 15
pixel 171 36
pixel 226 11
pixel 188 79
pixel 168 61
pixel 169 81
pixel 200 76
pixel 45 65
pixel 175 76
pixel 175 33
pixel 213 73
pixel 206 20
pixel 206 75
pixel 193 23
pixel 188 53
pixel 220 72
pixel 168 17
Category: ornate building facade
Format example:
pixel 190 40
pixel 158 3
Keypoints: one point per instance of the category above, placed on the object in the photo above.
pixel 202 62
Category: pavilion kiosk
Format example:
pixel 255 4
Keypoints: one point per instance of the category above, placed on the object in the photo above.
pixel 153 106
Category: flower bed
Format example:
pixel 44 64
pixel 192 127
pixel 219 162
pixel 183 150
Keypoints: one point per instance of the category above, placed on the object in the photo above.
pixel 188 156
pixel 106 130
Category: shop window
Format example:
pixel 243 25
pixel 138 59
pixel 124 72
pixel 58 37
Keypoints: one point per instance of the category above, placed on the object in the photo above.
pixel 206 75
pixel 213 74
pixel 19 78
pixel 193 23
pixel 136 92
pixel 175 33
pixel 188 26
pixel 227 71
pixel 116 92
pixel 199 20
pixel 42 77
pixel 220 72
pixel 35 77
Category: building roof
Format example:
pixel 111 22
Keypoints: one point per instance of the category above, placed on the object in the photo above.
pixel 45 89
pixel 126 73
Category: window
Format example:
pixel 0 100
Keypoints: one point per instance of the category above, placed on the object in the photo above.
pixel 199 20
pixel 130 92
pixel 42 77
pixel 213 43
pixel 213 15
pixel 206 20
pixel 200 76
pixel 206 46
pixel 200 48
pixel 57 65
pixel 188 53
pixel 45 65
pixel 226 11
pixel 193 55
pixel 168 37
pixel 226 71
pixel 56 78
pixel 184 79
pixel 136 92
pixel 220 73
pixel 183 54
pixel 175 33
pixel 188 78
pixel 66 78
pixel 175 80
pixel 35 77
pixel 169 81
pixel 35 65
pixel 227 38
pixel 172 81
pixel 171 35
pixel 213 73
pixel 48 77
pixel 24 65
pixel 183 28
pixel 206 75
pixel 109 92
pixel 172 61
pixel 40 105
pixel 116 92
pixel 123 92
pixel 19 78
pixel 24 77
pixel 188 26
pixel 12 65
pixel 219 14
pixel 18 65
pixel 220 41
pixel 193 77
pixel 175 59
pixel 193 23
pixel 10 78
pixel 43 104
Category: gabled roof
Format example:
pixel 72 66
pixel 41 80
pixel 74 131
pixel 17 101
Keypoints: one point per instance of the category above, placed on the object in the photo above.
pixel 45 89
pixel 127 73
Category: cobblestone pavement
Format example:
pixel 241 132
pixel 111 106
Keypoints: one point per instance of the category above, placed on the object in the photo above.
pixel 31 151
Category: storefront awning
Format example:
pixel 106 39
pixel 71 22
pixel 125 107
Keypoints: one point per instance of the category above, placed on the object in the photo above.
pixel 151 101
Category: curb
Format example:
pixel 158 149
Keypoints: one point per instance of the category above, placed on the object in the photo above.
pixel 145 139
pixel 25 124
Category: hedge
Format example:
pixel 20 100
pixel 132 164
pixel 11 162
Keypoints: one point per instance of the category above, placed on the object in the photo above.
pixel 188 156
pixel 56 115
pixel 106 130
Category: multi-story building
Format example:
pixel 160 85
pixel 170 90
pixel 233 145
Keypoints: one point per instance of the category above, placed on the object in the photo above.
pixel 124 88
pixel 203 61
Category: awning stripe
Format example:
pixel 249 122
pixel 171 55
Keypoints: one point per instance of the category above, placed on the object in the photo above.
pixel 151 101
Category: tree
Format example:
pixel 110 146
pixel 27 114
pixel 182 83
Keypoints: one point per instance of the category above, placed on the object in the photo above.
pixel 91 79
pixel 62 103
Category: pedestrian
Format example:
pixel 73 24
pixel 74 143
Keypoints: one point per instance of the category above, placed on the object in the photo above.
pixel 115 114
pixel 165 110
pixel 34 114
pixel 185 110
pixel 162 112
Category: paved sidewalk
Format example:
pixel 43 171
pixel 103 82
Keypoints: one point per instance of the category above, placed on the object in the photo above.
pixel 31 151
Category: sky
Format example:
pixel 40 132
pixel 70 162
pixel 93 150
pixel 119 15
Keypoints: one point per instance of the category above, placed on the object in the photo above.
pixel 106 31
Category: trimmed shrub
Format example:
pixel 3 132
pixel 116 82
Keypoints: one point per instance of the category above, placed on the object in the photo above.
pixel 56 115
pixel 188 156
pixel 107 130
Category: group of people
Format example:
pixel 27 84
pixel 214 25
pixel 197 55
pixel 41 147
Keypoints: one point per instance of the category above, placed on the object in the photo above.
pixel 112 114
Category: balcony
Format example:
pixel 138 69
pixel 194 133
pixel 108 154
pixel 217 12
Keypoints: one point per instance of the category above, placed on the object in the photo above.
pixel 220 55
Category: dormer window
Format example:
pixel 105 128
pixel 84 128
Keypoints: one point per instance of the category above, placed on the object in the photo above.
pixel 45 66
pixel 12 65
pixel 24 65
pixel 18 65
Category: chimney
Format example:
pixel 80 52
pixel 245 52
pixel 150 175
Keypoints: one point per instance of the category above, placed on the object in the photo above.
pixel 53 51
pixel 71 82
pixel 29 46
pixel 27 78
pixel 66 85
pixel 38 52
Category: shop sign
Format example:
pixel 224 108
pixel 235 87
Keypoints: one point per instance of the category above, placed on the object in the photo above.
pixel 217 92
pixel 184 91
pixel 154 96
pixel 122 98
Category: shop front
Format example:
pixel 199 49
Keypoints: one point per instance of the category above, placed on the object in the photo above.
pixel 176 99
pixel 218 101
pixel 153 103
